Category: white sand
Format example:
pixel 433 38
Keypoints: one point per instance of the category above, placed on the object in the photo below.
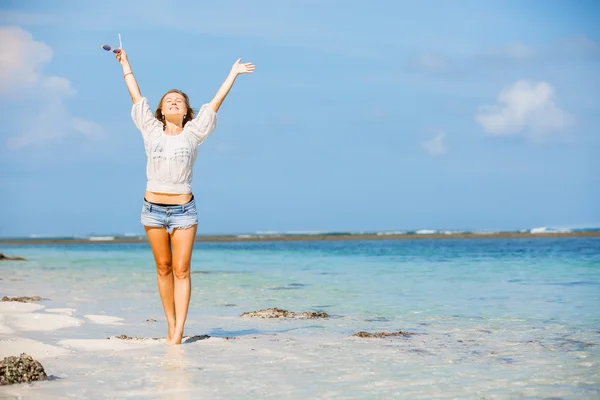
pixel 113 344
pixel 41 322
pixel 15 316
pixel 38 350
pixel 14 307
pixel 4 328
pixel 105 319
pixel 67 311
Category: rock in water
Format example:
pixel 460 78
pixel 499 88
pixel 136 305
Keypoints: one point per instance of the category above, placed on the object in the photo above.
pixel 22 299
pixel 279 313
pixel 269 313
pixel 21 369
pixel 312 315
pixel 364 334
pixel 7 258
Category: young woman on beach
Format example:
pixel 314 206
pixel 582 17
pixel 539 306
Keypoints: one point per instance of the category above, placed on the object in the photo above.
pixel 171 136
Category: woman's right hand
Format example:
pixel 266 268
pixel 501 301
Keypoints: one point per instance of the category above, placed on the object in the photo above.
pixel 122 57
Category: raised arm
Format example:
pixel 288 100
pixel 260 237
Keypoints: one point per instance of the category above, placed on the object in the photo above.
pixel 237 69
pixel 132 86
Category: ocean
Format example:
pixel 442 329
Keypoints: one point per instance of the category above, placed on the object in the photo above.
pixel 489 318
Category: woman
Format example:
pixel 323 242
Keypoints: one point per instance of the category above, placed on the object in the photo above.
pixel 171 137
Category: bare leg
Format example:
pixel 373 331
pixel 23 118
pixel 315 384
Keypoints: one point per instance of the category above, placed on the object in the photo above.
pixel 183 243
pixel 161 248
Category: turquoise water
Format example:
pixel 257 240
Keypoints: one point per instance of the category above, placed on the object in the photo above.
pixel 501 292
pixel 537 279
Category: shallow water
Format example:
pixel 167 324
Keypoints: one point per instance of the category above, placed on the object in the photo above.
pixel 494 318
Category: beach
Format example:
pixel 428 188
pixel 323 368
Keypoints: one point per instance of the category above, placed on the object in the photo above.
pixel 493 318
pixel 392 200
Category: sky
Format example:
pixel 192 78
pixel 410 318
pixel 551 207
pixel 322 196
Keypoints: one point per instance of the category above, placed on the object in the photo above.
pixel 360 116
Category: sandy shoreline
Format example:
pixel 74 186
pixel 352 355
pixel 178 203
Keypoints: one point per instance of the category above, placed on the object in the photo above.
pixel 272 360
pixel 308 238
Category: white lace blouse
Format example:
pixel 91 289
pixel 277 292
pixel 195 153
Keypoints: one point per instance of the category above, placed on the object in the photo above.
pixel 171 158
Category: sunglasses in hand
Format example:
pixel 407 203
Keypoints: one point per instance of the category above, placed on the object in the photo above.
pixel 117 50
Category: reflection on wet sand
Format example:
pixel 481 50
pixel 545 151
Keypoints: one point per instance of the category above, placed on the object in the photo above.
pixel 174 375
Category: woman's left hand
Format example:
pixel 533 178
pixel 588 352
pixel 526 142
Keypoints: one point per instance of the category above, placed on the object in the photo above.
pixel 242 68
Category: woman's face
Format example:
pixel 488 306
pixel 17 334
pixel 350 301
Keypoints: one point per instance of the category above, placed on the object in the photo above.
pixel 174 105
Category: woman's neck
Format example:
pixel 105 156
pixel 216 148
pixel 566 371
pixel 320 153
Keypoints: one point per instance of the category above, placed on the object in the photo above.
pixel 172 128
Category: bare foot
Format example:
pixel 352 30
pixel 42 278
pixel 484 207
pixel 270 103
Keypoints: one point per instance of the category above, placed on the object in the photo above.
pixel 176 338
pixel 170 333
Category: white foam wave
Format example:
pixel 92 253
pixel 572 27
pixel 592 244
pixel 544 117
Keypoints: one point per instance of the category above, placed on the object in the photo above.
pixel 306 232
pixel 101 238
pixel 267 233
pixel 544 229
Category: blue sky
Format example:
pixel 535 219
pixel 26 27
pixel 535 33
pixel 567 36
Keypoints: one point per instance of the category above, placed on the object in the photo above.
pixel 384 115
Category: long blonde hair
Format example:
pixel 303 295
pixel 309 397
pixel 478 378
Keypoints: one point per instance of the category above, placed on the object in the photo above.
pixel 187 117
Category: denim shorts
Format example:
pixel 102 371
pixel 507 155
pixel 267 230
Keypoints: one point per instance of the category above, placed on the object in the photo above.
pixel 169 217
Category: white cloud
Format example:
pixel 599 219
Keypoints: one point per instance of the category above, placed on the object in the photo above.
pixel 22 60
pixel 58 85
pixel 524 108
pixel 86 128
pixel 53 122
pixel 435 146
